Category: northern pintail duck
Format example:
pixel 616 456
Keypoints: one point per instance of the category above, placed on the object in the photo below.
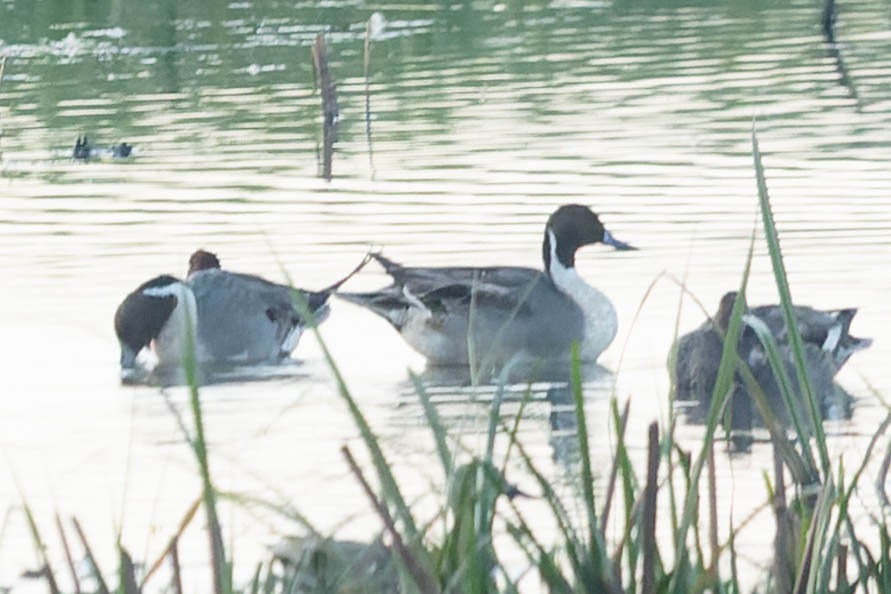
pixel 453 315
pixel 827 346
pixel 233 317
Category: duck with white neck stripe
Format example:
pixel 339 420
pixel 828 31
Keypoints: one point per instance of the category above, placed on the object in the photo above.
pixel 457 315
pixel 232 317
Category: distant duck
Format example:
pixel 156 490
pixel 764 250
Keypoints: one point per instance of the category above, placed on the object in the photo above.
pixel 233 317
pixel 85 151
pixel 82 148
pixel 450 314
pixel 121 151
pixel 827 346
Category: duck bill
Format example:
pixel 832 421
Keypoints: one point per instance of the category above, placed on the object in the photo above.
pixel 608 239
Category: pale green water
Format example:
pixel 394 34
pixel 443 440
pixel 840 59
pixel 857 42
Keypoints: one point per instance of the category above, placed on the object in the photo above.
pixel 486 115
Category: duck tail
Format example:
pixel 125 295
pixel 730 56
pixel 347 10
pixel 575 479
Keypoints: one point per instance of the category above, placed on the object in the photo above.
pixel 390 267
pixel 388 303
pixel 333 288
pixel 845 344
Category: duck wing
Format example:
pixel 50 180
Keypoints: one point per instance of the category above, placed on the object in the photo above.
pixel 826 330
pixel 444 291
pixel 422 280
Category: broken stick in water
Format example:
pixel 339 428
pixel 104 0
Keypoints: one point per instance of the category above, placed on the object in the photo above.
pixel 2 68
pixel 830 15
pixel 330 112
pixel 373 28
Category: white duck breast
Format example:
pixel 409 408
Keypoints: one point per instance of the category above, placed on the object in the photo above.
pixel 244 318
pixel 456 315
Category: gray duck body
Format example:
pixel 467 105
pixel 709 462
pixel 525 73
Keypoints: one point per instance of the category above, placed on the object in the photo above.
pixel 487 315
pixel 431 307
pixel 233 318
pixel 244 318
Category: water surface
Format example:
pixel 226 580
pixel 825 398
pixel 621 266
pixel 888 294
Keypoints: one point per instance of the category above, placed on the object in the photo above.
pixel 484 117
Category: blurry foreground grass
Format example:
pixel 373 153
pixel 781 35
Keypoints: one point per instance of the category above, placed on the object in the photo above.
pixel 816 548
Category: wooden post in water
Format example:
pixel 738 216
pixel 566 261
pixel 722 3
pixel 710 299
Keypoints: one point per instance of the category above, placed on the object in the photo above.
pixel 2 68
pixel 374 23
pixel 330 112
pixel 827 21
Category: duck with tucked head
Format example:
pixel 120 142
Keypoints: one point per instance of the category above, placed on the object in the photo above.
pixel 827 344
pixel 233 317
pixel 452 315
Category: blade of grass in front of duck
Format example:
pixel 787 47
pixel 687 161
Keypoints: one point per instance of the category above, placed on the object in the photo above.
pixel 811 559
pixel 436 426
pixel 637 313
pixel 101 586
pixel 425 582
pixel 483 484
pixel 720 395
pixel 587 476
pixel 495 411
pixel 847 493
pixel 574 545
pixel 285 510
pixel 779 271
pixel 388 484
pixel 601 571
pixel 255 580
pixel 672 398
pixel 199 446
pixel 548 571
pixel 778 368
pixel 69 559
pixel 630 489
pixel 513 431
pixel 41 546
pixel 620 422
pixel 482 511
pixel 801 466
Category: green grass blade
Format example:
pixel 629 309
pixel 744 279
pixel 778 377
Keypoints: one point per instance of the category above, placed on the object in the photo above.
pixel 101 586
pixel 777 366
pixel 41 548
pixel 436 426
pixel 587 476
pixel 779 271
pixel 390 488
pixel 620 458
pixel 199 445
pixel 574 545
pixel 720 395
